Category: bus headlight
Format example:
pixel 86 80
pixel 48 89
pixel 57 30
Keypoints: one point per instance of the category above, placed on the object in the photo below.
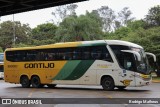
pixel 145 76
pixel 138 75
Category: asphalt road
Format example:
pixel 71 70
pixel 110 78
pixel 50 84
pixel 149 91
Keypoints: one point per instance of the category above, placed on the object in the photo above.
pixel 8 90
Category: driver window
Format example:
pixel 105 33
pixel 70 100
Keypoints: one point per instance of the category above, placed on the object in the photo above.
pixel 127 61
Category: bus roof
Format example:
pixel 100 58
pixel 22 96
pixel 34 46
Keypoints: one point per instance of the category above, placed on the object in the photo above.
pixel 78 44
pixel 120 42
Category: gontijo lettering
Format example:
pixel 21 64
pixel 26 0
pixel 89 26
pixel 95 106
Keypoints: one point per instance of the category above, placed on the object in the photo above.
pixel 39 65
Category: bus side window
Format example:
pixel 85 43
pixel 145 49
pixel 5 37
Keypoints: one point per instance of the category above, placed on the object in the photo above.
pixel 30 55
pixel 10 56
pixel 86 54
pixel 68 54
pixel 19 56
pixel 60 54
pixel 77 54
pixel 106 55
pixel 96 52
pixel 50 56
pixel 38 56
pixel 41 56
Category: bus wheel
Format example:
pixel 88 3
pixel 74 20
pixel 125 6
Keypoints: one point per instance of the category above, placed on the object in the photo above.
pixel 121 87
pixel 51 85
pixel 108 83
pixel 41 86
pixel 35 81
pixel 25 82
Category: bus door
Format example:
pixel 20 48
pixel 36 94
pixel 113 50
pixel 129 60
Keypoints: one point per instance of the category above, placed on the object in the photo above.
pixel 128 65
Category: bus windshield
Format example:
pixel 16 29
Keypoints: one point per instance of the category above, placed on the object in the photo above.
pixel 143 65
pixel 1 57
pixel 127 60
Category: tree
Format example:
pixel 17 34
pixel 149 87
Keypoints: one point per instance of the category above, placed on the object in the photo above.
pixel 88 27
pixel 124 16
pixel 117 24
pixel 43 34
pixel 120 33
pixel 108 17
pixel 137 24
pixel 61 12
pixel 1 50
pixel 153 16
pixel 67 30
pixel 95 16
pixel 22 33
pixel 84 27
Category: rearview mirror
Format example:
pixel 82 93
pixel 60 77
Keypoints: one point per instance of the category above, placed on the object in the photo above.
pixel 151 54
pixel 133 52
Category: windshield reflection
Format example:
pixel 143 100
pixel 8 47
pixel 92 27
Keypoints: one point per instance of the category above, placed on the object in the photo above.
pixel 143 65
pixel 128 60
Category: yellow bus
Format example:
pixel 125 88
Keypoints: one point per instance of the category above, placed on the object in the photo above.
pixel 110 63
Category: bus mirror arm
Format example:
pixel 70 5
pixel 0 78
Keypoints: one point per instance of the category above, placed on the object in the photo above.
pixel 133 52
pixel 151 54
pixel 155 60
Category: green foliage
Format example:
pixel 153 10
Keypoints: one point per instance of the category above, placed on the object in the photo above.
pixel 1 50
pixel 120 33
pixel 67 29
pixel 43 34
pixel 89 27
pixel 137 24
pixel 42 42
pixel 84 27
pixel 153 17
pixel 22 45
pixel 95 16
pixel 22 33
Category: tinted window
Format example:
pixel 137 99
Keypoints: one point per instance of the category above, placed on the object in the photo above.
pixel 86 53
pixel 78 53
pixel 101 53
pixel 126 60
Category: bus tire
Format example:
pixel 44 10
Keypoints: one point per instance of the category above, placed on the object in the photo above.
pixel 41 86
pixel 25 82
pixel 51 85
pixel 107 83
pixel 36 83
pixel 121 87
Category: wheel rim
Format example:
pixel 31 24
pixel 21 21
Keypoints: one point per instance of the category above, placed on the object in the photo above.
pixel 107 84
pixel 25 81
pixel 35 81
